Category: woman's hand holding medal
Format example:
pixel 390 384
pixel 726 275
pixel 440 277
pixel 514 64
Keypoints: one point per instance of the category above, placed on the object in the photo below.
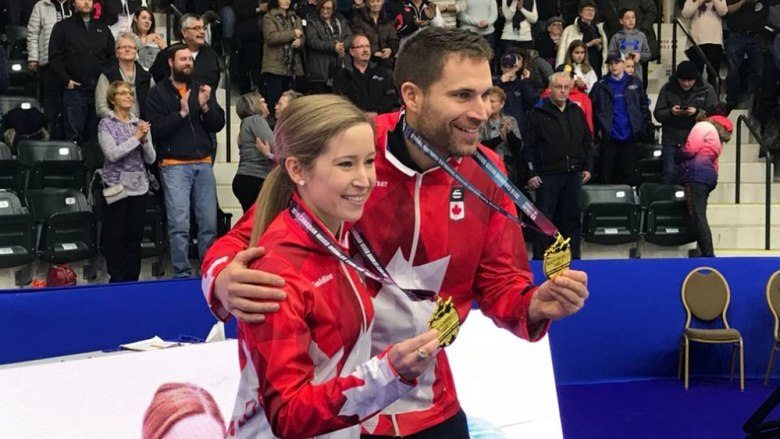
pixel 411 357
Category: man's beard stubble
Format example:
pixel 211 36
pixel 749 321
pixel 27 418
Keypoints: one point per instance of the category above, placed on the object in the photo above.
pixel 180 75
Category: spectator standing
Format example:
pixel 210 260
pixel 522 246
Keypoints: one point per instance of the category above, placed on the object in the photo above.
pixel 45 14
pixel 326 38
pixel 413 15
pixel 479 17
pixel 631 42
pixel 227 17
pixel 184 113
pixel 558 157
pixel 284 100
pixel 539 69
pixel 449 10
pixel 682 101
pixel 547 43
pixel 586 30
pixel 515 81
pixel 745 20
pixel 699 172
pixel 206 69
pixel 584 73
pixel 646 13
pixel 373 22
pixel 621 114
pixel 283 44
pixel 79 50
pixel 519 16
pixel 706 18
pixel 576 95
pixel 127 145
pixel 249 15
pixel 126 69
pixel 367 86
pixel 501 132
pixel 255 149
pixel 151 43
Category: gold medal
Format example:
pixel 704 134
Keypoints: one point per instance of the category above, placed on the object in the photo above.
pixel 445 319
pixel 557 257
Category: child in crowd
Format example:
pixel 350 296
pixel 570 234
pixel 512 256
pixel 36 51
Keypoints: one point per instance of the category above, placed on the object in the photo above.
pixel 630 67
pixel 698 161
pixel 577 58
pixel 630 41
pixel 501 132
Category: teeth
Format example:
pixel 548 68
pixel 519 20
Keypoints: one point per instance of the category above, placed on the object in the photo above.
pixel 354 197
pixel 470 131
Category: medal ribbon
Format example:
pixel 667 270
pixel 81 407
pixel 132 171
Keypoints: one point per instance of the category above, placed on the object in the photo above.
pixel 540 222
pixel 305 221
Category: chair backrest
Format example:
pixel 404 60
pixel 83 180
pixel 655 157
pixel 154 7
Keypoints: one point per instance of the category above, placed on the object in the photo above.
pixel 5 152
pixel 705 295
pixel 773 297
pixel 607 193
pixel 8 103
pixel 652 192
pixel 10 204
pixel 33 151
pixel 649 151
pixel 43 203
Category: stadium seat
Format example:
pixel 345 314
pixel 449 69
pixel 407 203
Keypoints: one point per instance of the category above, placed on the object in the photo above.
pixel 705 297
pixel 8 103
pixel 155 240
pixel 649 165
pixel 610 214
pixel 54 164
pixel 22 81
pixel 17 234
pixel 67 224
pixel 665 215
pixel 11 174
pixel 773 300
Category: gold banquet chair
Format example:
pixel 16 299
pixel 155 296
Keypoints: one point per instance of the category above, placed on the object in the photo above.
pixel 706 296
pixel 773 299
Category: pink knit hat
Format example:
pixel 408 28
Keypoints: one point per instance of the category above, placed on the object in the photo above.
pixel 722 121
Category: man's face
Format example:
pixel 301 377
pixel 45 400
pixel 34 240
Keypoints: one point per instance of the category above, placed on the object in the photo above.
pixel 616 68
pixel 588 13
pixel 82 7
pixel 559 89
pixel 360 49
pixel 686 84
pixel 455 107
pixel 629 20
pixel 195 33
pixel 181 65
pixel 126 49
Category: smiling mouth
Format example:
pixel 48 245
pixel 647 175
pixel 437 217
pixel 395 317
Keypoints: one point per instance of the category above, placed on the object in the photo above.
pixel 467 130
pixel 355 198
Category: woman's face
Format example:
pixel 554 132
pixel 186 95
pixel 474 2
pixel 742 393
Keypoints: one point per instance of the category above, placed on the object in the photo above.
pixel 338 184
pixel 123 99
pixel 375 5
pixel 326 12
pixel 281 104
pixel 143 21
pixel 555 29
pixel 630 66
pixel 496 105
pixel 284 4
pixel 578 55
pixel 264 108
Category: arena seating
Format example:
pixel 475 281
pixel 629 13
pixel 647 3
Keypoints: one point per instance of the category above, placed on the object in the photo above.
pixel 610 214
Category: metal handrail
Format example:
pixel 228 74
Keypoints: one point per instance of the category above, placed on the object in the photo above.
pixel 710 69
pixel 169 20
pixel 768 175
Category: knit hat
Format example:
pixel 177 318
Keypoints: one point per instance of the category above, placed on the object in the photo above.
pixel 554 19
pixel 687 70
pixel 722 121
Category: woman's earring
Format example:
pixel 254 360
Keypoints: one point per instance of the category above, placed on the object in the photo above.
pixel 301 183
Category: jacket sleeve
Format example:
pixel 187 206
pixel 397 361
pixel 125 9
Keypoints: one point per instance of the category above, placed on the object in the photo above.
pixel 644 50
pixel 721 7
pixel 587 143
pixel 614 44
pixel 503 284
pixel 34 28
pixel 527 92
pixel 159 68
pixel 112 150
pixel 164 122
pixel 566 39
pixel 493 13
pixel 101 89
pixel 273 36
pixel 529 138
pixel 294 405
pixel 57 54
pixel 644 106
pixel 393 43
pixel 316 43
pixel 214 119
pixel 222 253
pixel 110 48
pixel 663 107
pixel 150 155
pixel 531 16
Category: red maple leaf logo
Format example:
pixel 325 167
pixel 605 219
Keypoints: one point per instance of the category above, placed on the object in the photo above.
pixel 456 210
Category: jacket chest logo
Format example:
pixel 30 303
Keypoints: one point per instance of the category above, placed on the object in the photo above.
pixel 457 208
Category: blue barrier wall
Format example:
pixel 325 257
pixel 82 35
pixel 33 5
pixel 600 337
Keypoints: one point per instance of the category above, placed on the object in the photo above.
pixel 629 329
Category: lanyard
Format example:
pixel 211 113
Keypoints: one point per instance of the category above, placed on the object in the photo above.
pixel 540 222
pixel 305 221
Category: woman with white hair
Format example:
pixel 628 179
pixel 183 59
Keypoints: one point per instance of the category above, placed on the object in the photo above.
pixel 125 69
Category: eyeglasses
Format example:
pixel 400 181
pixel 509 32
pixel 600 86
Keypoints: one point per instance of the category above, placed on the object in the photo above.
pixel 127 48
pixel 196 28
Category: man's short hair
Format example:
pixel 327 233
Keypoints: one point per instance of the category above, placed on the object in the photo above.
pixel 186 20
pixel 351 41
pixel 173 48
pixel 422 56
pixel 623 11
pixel 562 74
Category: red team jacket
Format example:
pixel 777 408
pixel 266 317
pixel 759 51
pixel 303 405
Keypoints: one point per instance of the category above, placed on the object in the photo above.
pixel 315 351
pixel 431 234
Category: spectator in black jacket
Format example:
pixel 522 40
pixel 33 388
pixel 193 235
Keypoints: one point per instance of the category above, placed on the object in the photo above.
pixel 326 38
pixel 363 83
pixel 184 114
pixel 80 48
pixel 516 82
pixel 206 69
pixel 558 148
pixel 249 14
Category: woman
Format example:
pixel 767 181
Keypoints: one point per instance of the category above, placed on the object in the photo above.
pixel 547 43
pixel 590 33
pixel 126 69
pixel 151 42
pixel 284 100
pixel 698 161
pixel 327 33
pixel 182 410
pixel 577 57
pixel 520 16
pixel 283 43
pixel 707 30
pixel 307 369
pixel 255 144
pixel 374 23
pixel 126 144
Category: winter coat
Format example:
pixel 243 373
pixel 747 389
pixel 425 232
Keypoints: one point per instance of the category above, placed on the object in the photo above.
pixel 637 106
pixel 80 54
pixel 571 33
pixel 45 14
pixel 278 35
pixel 676 128
pixel 320 42
pixel 557 141
pixel 381 35
pixel 698 159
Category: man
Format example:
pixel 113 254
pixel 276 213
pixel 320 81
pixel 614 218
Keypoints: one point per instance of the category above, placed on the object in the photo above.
pixel 45 15
pixel 440 240
pixel 558 148
pixel 184 114
pixel 364 84
pixel 682 101
pixel 621 115
pixel 745 21
pixel 79 50
pixel 206 69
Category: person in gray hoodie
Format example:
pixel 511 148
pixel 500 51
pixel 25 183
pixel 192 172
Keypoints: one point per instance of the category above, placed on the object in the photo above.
pixel 631 42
